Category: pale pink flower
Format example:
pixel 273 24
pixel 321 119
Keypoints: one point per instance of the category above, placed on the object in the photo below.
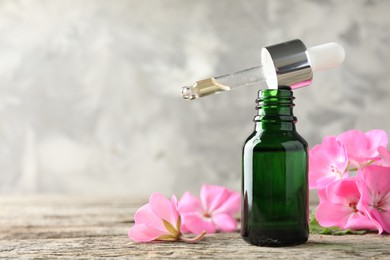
pixel 338 206
pixel 327 163
pixel 385 156
pixel 374 186
pixel 158 220
pixel 214 211
pixel 362 148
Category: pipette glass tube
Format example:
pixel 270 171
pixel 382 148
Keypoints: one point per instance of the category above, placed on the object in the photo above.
pixel 223 83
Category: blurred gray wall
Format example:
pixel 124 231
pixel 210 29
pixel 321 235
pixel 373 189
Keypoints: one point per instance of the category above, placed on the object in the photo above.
pixel 89 90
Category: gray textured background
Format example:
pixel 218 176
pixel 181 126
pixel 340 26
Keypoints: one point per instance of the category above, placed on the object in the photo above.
pixel 89 93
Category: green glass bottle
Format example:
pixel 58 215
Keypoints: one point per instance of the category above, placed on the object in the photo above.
pixel 275 168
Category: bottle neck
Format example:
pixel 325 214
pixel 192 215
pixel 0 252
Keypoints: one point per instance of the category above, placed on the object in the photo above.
pixel 275 110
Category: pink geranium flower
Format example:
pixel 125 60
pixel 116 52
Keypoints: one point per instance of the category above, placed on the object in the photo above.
pixel 374 186
pixel 385 156
pixel 214 211
pixel 327 163
pixel 362 148
pixel 158 220
pixel 338 206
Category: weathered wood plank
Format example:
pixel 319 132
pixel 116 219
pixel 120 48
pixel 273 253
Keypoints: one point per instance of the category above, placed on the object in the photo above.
pixel 214 246
pixel 65 211
pixel 64 227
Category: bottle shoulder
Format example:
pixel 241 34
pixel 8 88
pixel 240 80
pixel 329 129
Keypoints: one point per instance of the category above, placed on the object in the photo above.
pixel 275 140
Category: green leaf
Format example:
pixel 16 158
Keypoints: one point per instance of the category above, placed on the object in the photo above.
pixel 167 237
pixel 178 224
pixel 171 229
pixel 316 228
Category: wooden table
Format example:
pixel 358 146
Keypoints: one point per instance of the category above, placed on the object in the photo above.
pixel 76 227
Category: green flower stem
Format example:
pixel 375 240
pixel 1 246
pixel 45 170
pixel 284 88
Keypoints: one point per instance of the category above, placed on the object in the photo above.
pixel 193 240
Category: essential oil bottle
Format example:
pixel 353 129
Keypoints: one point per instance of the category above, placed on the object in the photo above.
pixel 275 157
pixel 275 180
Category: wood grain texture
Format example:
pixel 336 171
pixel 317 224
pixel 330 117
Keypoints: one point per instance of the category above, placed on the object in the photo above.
pixel 70 227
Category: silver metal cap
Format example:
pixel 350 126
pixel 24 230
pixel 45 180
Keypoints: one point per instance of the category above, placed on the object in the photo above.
pixel 291 63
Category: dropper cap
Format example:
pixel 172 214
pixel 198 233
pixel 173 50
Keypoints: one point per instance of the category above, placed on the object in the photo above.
pixel 292 64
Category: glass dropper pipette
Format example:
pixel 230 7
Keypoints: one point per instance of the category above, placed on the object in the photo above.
pixel 284 64
pixel 225 82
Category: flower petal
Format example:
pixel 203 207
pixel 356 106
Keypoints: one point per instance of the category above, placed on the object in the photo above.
pixel 358 221
pixel 144 233
pixel 329 214
pixel 364 204
pixel 376 138
pixel 374 186
pixel 343 192
pixel 377 179
pixel 213 196
pixel 196 224
pixel 232 205
pixel 327 163
pixel 225 222
pixel 189 203
pixel 322 195
pixel 175 209
pixel 162 208
pixel 383 218
pixel 145 215
pixel 336 151
pixel 385 155
pixel 354 141
pixel 323 182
